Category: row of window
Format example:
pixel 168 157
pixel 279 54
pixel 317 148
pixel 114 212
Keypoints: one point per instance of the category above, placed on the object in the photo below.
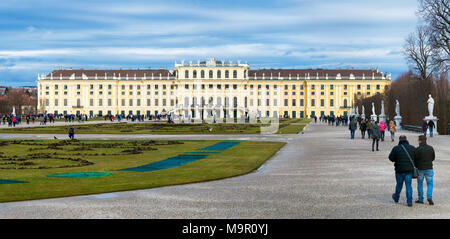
pixel 211 74
pixel 210 86
pixel 194 101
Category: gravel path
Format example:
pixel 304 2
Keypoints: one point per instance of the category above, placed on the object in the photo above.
pixel 319 174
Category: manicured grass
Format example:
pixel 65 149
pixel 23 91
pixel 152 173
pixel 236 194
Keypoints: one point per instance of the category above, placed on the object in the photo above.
pixel 289 120
pixel 291 129
pixel 32 161
pixel 159 128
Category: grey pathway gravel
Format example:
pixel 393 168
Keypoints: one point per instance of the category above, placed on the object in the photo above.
pixel 319 174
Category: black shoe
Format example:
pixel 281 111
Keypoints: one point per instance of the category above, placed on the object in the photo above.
pixel 409 205
pixel 419 202
pixel 396 201
pixel 430 201
pixel 378 150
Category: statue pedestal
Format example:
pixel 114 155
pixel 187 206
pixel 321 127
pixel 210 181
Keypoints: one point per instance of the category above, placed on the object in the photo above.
pixel 382 117
pixel 363 116
pixel 398 122
pixel 374 117
pixel 434 119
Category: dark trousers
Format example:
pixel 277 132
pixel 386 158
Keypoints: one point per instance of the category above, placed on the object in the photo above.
pixel 363 133
pixel 373 143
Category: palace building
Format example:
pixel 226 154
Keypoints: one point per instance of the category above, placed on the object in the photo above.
pixel 208 88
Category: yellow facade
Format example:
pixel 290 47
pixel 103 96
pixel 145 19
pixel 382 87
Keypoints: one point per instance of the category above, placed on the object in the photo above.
pixel 207 88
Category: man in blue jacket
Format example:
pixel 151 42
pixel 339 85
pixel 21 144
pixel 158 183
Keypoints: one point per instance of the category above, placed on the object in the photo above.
pixel 403 168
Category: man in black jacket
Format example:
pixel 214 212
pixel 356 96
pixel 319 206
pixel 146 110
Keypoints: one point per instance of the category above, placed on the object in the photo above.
pixel 431 126
pixel 423 160
pixel 402 156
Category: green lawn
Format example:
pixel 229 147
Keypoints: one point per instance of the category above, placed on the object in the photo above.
pixel 290 128
pixel 33 160
pixel 285 127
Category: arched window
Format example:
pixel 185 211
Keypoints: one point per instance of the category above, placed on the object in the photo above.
pixel 235 74
pixel 203 101
pixel 235 103
pixel 227 101
pixel 186 74
pixel 219 74
pixel 345 102
pixel 194 74
pixel 210 102
pixel 219 101
pixel 245 74
pixel 210 74
pixel 202 74
pixel 227 74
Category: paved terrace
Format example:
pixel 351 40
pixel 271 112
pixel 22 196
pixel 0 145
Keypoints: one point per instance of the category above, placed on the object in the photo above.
pixel 319 174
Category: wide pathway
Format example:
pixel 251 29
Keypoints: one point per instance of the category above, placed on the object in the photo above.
pixel 319 174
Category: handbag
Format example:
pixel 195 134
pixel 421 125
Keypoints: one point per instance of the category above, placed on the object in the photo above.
pixel 416 171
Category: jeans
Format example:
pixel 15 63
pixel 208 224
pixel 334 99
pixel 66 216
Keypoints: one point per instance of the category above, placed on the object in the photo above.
pixel 363 133
pixel 431 132
pixel 400 178
pixel 392 135
pixel 382 135
pixel 352 133
pixel 428 175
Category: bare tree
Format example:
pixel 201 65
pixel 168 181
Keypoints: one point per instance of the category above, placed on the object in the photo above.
pixel 418 52
pixel 436 14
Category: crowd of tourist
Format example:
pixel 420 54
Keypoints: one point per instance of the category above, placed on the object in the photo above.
pixel 409 161
pixel 14 120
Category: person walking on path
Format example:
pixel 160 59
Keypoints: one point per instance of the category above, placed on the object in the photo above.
pixel 392 130
pixel 352 127
pixel 431 126
pixel 382 130
pixel 375 134
pixel 423 160
pixel 401 155
pixel 369 129
pixel 424 128
pixel 71 133
pixel 14 120
pixel 363 128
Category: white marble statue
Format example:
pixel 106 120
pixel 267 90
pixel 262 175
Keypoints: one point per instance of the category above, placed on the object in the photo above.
pixel 373 108
pixel 362 110
pixel 14 111
pixel 382 107
pixel 357 113
pixel 397 108
pixel 430 105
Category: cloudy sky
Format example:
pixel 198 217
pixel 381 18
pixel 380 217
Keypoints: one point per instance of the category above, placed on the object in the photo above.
pixel 39 36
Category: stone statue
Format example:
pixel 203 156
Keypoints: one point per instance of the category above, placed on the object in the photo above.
pixel 14 111
pixel 397 108
pixel 382 107
pixel 430 105
pixel 373 108
pixel 362 111
pixel 357 113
